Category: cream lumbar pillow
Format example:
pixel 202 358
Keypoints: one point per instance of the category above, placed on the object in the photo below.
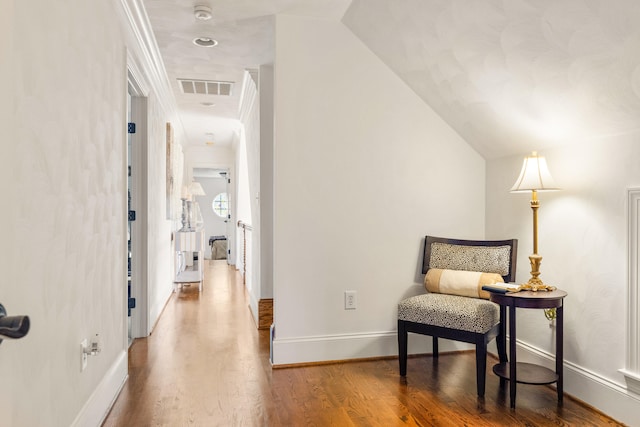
pixel 458 282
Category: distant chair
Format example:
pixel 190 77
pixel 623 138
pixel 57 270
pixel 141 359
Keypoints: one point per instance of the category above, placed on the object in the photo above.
pixel 218 246
pixel 455 307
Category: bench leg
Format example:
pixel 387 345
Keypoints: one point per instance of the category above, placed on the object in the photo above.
pixel 434 346
pixel 481 367
pixel 402 347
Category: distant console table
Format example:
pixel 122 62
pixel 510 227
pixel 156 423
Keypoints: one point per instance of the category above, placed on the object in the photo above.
pixel 189 241
pixel 527 373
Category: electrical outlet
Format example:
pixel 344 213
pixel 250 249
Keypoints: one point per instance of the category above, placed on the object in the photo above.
pixel 350 300
pixel 83 352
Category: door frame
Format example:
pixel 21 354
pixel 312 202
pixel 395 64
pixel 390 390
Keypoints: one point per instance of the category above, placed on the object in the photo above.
pixel 231 191
pixel 139 197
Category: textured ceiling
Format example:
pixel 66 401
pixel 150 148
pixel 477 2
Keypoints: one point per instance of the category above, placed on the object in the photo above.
pixel 244 30
pixel 511 76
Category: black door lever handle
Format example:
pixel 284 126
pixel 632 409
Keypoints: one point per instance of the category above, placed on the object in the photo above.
pixel 13 326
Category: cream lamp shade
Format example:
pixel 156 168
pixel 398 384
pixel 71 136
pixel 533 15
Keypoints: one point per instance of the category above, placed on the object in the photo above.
pixel 534 176
pixel 196 189
pixel 185 194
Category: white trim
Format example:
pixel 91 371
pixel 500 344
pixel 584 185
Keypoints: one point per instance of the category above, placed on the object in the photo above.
pixel 608 396
pixel 248 94
pixel 536 355
pixel 632 368
pixel 139 202
pixel 352 346
pixel 253 308
pixel 135 77
pixel 148 60
pixel 96 408
pixel 633 380
pixel 140 241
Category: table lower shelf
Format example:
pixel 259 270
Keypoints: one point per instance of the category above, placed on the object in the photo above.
pixel 188 276
pixel 526 373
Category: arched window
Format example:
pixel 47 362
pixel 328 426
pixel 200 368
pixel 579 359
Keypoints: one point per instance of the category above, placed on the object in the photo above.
pixel 220 205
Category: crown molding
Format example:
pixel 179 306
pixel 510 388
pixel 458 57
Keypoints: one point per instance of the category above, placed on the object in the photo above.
pixel 248 94
pixel 145 61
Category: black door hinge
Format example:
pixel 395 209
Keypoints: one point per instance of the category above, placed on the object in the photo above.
pixel 131 127
pixel 132 215
pixel 131 302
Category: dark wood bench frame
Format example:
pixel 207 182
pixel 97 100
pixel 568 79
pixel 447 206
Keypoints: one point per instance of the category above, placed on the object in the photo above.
pixel 480 340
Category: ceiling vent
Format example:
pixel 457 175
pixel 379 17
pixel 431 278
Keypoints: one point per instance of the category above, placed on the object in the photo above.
pixel 205 87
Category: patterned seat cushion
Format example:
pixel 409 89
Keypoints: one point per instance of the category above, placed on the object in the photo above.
pixel 450 311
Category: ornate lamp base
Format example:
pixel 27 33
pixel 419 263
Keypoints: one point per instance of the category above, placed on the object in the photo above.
pixel 535 287
pixel 535 284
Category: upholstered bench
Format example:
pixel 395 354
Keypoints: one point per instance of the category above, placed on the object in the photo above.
pixel 456 307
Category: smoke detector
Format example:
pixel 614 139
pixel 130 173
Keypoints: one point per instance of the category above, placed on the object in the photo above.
pixel 202 13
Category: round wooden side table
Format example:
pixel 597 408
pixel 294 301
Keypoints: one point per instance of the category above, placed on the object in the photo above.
pixel 528 373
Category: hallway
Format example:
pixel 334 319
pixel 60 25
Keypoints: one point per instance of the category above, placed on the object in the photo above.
pixel 207 365
pixel 193 369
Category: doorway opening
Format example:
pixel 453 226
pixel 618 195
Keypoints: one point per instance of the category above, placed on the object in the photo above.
pixel 215 207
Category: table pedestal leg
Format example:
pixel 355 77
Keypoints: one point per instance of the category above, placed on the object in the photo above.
pixel 559 350
pixel 512 355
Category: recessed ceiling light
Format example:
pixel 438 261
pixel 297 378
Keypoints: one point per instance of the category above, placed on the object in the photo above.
pixel 202 12
pixel 205 42
pixel 208 104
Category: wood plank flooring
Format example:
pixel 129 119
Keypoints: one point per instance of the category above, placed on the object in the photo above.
pixel 206 364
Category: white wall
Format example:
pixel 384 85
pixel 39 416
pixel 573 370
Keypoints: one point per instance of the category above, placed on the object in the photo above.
pixel 248 206
pixel 583 242
pixel 160 253
pixel 363 170
pixel 63 256
pixel 66 253
pixel 266 181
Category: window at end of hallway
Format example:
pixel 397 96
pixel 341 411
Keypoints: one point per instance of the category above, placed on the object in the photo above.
pixel 220 205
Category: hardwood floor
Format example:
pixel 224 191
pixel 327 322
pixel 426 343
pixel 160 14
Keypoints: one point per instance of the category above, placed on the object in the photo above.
pixel 206 364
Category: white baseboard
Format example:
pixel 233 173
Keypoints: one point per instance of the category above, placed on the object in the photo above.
pixel 351 346
pixel 632 379
pixel 603 394
pixel 95 410
pixel 253 308
pixel 155 311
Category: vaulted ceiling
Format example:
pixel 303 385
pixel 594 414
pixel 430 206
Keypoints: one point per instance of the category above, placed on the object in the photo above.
pixel 508 75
